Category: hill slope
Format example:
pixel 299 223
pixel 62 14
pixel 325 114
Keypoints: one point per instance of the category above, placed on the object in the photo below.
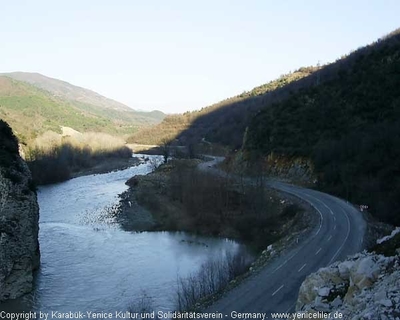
pixel 224 122
pixel 341 120
pixel 33 103
pixel 349 127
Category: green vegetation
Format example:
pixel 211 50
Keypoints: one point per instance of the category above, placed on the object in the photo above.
pixel 37 107
pixel 343 116
pixel 348 125
pixel 33 104
pixel 225 121
pixel 54 158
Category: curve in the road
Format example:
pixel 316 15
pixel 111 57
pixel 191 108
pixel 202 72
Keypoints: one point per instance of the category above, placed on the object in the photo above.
pixel 340 233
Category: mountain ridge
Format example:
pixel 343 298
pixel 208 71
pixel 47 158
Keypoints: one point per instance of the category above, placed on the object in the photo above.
pixel 65 89
pixel 33 103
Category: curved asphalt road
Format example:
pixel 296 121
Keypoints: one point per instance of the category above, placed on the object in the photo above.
pixel 340 233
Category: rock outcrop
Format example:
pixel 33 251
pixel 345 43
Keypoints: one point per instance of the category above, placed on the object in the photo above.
pixel 297 169
pixel 366 286
pixel 19 215
pixel 292 168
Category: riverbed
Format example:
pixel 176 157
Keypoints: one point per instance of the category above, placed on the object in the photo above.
pixel 88 263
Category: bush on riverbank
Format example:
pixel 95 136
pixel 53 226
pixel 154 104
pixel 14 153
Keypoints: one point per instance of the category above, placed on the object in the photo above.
pixel 54 158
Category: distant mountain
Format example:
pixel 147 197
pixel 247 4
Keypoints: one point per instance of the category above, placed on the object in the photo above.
pixel 33 103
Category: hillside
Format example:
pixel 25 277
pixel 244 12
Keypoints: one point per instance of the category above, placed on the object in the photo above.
pixel 349 127
pixel 33 103
pixel 224 122
pixel 339 122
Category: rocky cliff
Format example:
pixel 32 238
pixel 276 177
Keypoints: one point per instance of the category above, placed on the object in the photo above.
pixel 365 286
pixel 19 215
pixel 295 169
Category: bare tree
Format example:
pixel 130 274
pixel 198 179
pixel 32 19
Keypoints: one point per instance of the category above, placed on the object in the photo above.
pixel 166 149
pixel 213 276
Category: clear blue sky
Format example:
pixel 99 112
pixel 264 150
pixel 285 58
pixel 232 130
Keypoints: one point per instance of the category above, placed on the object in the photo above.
pixel 178 55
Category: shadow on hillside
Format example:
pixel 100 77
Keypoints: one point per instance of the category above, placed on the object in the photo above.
pixel 225 122
pixel 343 116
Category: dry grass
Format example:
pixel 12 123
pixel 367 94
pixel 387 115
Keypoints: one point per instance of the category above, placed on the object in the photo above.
pixel 54 158
pixel 96 142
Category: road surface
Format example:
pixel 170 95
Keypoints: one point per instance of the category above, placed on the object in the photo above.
pixel 339 233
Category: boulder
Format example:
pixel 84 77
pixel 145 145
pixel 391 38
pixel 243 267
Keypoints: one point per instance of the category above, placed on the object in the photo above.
pixel 365 272
pixel 366 286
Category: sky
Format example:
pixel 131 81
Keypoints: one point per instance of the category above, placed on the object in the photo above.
pixel 180 55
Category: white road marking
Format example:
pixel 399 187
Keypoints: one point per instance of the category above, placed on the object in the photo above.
pixel 347 236
pixel 290 308
pixel 287 260
pixel 302 195
pixel 324 205
pixel 302 267
pixel 318 251
pixel 277 290
pixel 315 207
pixel 280 266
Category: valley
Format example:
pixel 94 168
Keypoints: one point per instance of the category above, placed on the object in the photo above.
pixel 261 202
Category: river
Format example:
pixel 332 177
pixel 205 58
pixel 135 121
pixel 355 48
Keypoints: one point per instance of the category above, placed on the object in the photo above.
pixel 88 263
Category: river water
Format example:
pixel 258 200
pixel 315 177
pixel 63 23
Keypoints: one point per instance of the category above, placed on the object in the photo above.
pixel 88 263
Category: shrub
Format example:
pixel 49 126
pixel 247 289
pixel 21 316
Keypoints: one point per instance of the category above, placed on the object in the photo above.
pixel 213 276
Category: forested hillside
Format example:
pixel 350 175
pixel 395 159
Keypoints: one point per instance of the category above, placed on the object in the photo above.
pixel 344 117
pixel 33 104
pixel 348 126
pixel 225 121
